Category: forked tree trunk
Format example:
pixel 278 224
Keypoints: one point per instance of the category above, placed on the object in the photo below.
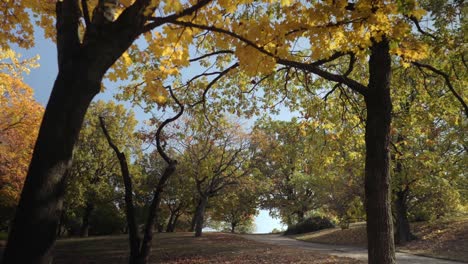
pixel 199 216
pixel 381 249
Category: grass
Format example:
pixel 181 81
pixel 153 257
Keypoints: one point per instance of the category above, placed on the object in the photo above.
pixel 444 238
pixel 178 248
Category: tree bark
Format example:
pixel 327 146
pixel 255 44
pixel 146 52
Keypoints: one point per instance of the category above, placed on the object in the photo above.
pixel 381 249
pixel 403 232
pixel 81 69
pixel 34 226
pixel 199 216
pixel 194 218
pixel 84 230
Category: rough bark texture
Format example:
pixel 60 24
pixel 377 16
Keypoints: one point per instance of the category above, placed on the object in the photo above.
pixel 199 216
pixel 377 168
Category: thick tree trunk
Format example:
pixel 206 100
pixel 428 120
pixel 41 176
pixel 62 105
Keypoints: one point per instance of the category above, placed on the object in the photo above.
pixel 84 230
pixel 199 216
pixel 381 248
pixel 194 218
pixel 34 227
pixel 403 232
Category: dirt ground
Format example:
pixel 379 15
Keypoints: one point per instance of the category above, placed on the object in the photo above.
pixel 184 248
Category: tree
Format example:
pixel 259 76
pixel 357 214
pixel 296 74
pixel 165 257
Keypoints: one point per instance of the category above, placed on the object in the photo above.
pixel 19 125
pixel 140 249
pixel 215 157
pixel 369 33
pixel 237 208
pixel 282 155
pixel 85 53
pixel 250 37
pixel 93 176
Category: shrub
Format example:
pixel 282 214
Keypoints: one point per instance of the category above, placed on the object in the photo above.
pixel 310 225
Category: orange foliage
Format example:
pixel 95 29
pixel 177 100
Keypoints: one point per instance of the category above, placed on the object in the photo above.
pixel 20 117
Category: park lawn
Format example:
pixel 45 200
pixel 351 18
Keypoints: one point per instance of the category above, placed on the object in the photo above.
pixel 178 248
pixel 444 238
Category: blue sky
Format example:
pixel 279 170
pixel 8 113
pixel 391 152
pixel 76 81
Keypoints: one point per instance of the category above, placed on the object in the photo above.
pixel 42 79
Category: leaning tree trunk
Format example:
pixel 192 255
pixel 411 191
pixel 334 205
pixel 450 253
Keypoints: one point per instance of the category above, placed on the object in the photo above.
pixel 33 230
pixel 381 248
pixel 199 216
pixel 82 66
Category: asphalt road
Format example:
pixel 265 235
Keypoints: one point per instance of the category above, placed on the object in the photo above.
pixel 342 251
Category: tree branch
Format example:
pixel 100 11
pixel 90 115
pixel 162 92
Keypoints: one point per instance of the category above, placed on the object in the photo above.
pixel 157 21
pixel 447 82
pixel 311 67
pixel 165 123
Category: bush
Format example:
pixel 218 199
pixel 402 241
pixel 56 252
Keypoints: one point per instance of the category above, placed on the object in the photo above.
pixel 310 225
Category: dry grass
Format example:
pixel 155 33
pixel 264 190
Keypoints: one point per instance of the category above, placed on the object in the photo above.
pixel 446 239
pixel 183 248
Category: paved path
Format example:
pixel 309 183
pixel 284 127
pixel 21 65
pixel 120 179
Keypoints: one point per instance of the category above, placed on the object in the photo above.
pixel 342 251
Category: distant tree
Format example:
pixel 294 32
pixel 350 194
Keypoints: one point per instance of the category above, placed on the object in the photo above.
pixel 237 207
pixel 94 177
pixel 215 157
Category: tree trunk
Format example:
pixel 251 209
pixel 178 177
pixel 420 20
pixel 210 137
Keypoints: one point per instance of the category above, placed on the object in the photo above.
pixel 133 234
pixel 403 232
pixel 145 249
pixel 169 222
pixel 34 227
pixel 233 227
pixel 381 248
pixel 194 218
pixel 199 216
pixel 84 230
pixel 174 223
